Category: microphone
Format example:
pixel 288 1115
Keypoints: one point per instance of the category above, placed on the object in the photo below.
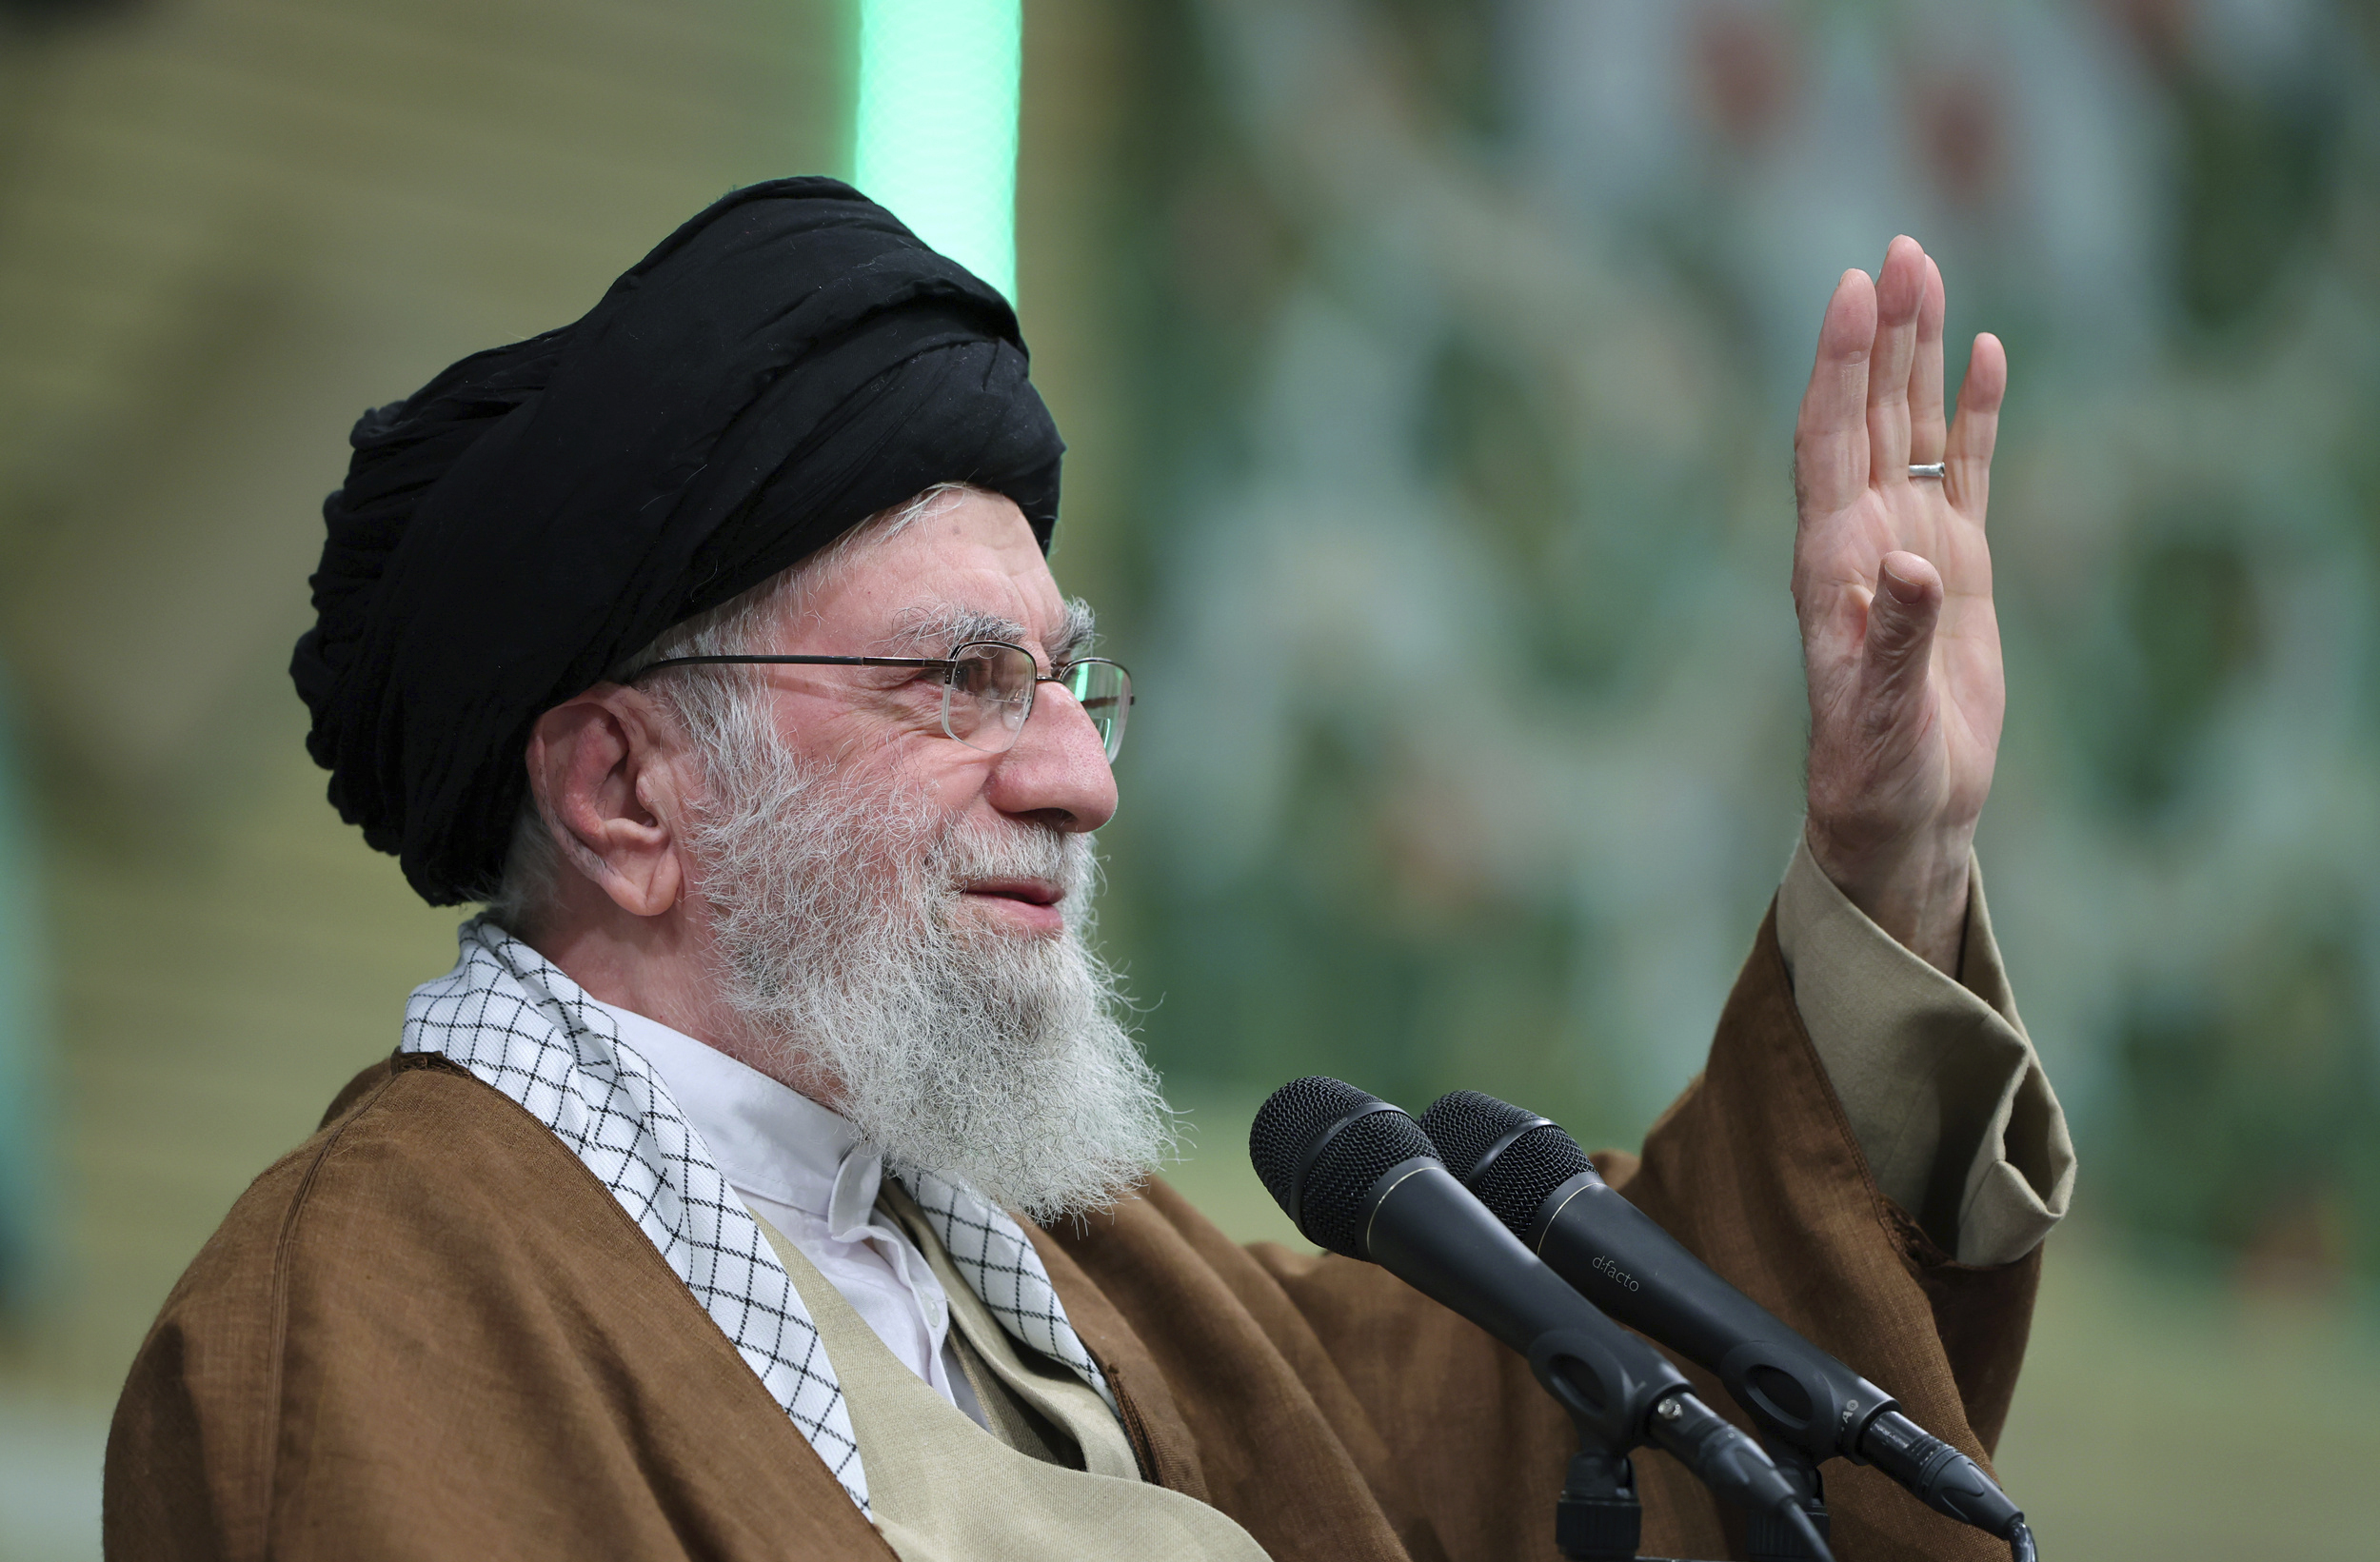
pixel 1539 1183
pixel 1360 1179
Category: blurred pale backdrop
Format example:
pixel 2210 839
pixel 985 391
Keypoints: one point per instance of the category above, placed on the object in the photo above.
pixel 1429 368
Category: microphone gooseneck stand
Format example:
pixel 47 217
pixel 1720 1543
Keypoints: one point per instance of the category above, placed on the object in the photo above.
pixel 1360 1179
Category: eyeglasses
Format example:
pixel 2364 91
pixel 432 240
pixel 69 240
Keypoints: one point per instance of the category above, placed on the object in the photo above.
pixel 987 688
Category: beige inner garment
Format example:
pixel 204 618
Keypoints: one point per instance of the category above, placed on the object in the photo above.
pixel 944 1490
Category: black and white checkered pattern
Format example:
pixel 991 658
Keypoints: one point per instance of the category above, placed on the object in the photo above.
pixel 520 1025
pixel 993 1256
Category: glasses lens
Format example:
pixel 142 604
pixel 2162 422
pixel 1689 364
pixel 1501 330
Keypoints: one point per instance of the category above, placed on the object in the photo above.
pixel 989 691
pixel 1105 691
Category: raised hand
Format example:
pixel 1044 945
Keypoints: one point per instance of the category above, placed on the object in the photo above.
pixel 1893 585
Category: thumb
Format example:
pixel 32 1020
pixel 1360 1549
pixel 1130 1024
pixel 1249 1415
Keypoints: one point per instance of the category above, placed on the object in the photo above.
pixel 1901 617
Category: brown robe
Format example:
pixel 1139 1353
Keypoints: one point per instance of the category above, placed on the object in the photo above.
pixel 430 1331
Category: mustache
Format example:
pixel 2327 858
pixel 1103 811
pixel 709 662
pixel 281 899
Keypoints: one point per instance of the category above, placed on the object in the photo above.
pixel 968 853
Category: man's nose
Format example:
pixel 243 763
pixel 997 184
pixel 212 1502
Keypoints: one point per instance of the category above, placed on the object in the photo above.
pixel 1058 773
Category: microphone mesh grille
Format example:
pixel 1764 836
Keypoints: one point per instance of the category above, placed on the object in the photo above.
pixel 1463 1124
pixel 1287 1122
pixel 1534 1165
pixel 1347 1168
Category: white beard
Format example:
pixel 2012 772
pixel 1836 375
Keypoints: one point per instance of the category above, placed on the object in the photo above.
pixel 986 1058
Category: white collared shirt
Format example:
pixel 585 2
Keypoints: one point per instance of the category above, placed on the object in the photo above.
pixel 802 1169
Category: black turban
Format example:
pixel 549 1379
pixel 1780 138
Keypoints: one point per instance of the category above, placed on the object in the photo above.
pixel 787 364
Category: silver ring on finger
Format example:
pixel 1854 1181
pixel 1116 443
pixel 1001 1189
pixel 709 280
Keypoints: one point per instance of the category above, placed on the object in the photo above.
pixel 1925 470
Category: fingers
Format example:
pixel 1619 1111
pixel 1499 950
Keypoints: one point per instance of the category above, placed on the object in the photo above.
pixel 1830 438
pixel 1926 431
pixel 1901 291
pixel 1967 461
pixel 1899 643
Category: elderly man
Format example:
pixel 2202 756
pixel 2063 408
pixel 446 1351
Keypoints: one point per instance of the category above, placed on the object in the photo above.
pixel 709 642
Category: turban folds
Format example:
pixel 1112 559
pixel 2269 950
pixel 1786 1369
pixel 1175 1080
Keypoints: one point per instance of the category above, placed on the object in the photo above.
pixel 787 364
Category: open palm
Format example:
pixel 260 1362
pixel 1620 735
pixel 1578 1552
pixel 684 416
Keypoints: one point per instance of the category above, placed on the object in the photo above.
pixel 1893 585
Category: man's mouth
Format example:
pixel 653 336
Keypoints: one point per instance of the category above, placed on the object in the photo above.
pixel 1029 903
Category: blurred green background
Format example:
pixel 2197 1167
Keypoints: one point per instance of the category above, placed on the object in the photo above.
pixel 1429 369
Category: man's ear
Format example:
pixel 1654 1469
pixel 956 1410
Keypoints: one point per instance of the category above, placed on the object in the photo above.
pixel 609 775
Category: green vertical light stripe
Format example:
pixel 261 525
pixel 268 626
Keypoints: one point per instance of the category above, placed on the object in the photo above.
pixel 936 138
pixel 25 1182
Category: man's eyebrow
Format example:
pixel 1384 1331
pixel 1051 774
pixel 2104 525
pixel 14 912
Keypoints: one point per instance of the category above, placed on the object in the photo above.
pixel 1077 633
pixel 940 631
pixel 936 632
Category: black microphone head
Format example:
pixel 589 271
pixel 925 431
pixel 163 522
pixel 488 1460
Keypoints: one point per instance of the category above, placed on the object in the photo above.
pixel 1288 1121
pixel 1319 1145
pixel 1465 1125
pixel 1513 1181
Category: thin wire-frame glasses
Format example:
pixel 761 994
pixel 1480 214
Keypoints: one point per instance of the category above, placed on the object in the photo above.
pixel 987 688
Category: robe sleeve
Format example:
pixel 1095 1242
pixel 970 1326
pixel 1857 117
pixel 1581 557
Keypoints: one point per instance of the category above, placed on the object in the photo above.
pixel 1756 1168
pixel 1937 1078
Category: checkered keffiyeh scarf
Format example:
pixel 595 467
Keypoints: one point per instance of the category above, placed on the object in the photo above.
pixel 513 1019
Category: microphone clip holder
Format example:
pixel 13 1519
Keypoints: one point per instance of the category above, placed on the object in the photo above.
pixel 1598 1517
pixel 1769 1538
